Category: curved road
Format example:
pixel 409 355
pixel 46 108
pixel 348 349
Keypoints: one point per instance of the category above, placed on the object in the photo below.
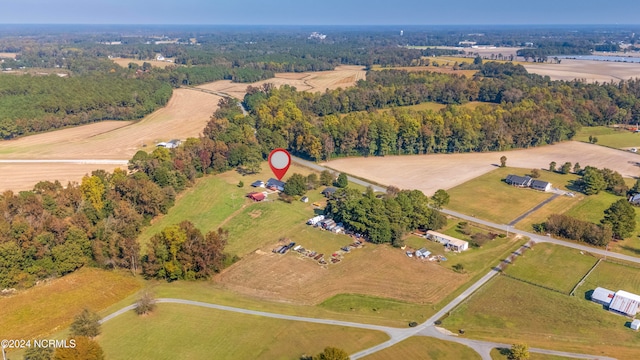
pixel 396 334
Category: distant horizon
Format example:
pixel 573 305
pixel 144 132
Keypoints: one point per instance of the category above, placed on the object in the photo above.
pixel 326 25
pixel 327 12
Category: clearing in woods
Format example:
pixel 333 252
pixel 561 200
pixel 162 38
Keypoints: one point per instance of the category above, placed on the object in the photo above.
pixel 124 62
pixel 343 76
pixel 444 171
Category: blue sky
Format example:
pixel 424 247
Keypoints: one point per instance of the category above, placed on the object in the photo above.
pixel 321 12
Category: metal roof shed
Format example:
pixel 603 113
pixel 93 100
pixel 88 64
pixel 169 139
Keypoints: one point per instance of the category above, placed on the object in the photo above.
pixel 602 296
pixel 625 303
pixel 635 324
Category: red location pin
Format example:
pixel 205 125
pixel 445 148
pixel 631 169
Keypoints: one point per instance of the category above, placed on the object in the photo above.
pixel 279 161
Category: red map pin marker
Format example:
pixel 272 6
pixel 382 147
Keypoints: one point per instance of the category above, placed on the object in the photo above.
pixel 279 161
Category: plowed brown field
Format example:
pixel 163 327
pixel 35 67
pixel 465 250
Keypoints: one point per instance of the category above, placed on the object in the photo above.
pixel 443 171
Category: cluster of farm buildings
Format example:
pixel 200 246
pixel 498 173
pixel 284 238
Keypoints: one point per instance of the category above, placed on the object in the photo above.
pixel 620 302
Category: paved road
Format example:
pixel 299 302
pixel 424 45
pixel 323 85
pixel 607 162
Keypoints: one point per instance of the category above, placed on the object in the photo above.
pixel 314 166
pixel 396 334
pixel 517 220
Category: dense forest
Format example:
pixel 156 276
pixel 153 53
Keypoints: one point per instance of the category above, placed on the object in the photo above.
pixel 520 110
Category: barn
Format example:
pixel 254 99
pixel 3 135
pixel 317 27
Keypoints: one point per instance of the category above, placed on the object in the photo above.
pixel 602 296
pixel 625 303
pixel 256 196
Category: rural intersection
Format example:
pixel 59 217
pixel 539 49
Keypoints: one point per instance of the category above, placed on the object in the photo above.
pixel 427 328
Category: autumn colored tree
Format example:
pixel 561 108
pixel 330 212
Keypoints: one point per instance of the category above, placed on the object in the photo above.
pixel 87 324
pixel 85 349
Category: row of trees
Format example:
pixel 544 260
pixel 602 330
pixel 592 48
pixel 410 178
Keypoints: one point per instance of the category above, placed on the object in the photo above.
pixel 387 219
pixel 31 104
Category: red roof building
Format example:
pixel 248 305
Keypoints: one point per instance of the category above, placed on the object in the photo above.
pixel 256 196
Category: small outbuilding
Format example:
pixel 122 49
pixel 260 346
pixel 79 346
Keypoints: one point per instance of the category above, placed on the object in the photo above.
pixel 256 196
pixel 422 253
pixel 635 199
pixel 304 199
pixel 258 183
pixel 635 324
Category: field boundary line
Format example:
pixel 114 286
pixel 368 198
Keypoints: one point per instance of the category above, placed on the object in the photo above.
pixel 572 293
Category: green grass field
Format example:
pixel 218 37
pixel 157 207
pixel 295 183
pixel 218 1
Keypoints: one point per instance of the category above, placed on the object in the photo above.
pixel 48 307
pixel 217 201
pixel 497 355
pixel 189 332
pixel 489 197
pixel 371 306
pixel 591 208
pixel 506 309
pixel 559 205
pixel 612 137
pixel 552 266
pixel 420 347
pixel 612 276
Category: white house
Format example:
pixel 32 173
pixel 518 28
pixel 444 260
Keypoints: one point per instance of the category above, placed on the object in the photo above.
pixel 448 241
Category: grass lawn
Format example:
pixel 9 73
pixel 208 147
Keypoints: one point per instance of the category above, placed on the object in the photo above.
pixel 216 201
pixel 558 205
pixel 175 331
pixel 487 196
pixel 51 306
pixel 552 266
pixel 508 311
pixel 496 354
pixel 375 306
pixel 421 347
pixel 612 276
pixel 591 208
pixel 610 137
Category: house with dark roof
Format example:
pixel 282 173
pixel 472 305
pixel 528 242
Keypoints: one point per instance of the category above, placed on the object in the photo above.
pixel 274 184
pixel 519 181
pixel 540 185
pixel 329 191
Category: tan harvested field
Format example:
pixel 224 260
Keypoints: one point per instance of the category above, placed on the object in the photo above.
pixel 590 71
pixel 124 62
pixel 443 171
pixel 186 114
pixel 343 76
pixel 7 55
pixel 298 279
pixel 18 177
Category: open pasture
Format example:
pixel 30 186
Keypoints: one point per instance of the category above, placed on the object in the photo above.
pixel 51 305
pixel 552 266
pixel 371 271
pixel 186 114
pixel 189 332
pixel 420 347
pixel 612 276
pixel 124 62
pixel 615 137
pixel 429 173
pixel 506 309
pixel 343 76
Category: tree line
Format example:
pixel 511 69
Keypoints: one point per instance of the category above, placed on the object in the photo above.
pixel 31 104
